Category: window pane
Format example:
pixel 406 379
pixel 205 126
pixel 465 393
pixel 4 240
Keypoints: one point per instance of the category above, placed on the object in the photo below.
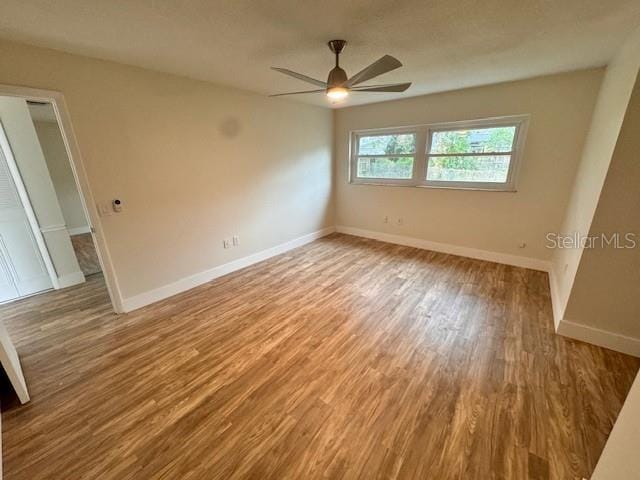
pixel 387 144
pixel 487 168
pixel 385 167
pixel 475 140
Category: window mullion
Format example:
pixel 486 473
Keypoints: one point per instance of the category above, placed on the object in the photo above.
pixel 419 163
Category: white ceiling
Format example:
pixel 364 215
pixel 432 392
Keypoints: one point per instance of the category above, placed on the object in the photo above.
pixel 444 44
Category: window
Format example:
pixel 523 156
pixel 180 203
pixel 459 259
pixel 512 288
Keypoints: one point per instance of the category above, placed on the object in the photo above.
pixel 479 154
pixel 386 156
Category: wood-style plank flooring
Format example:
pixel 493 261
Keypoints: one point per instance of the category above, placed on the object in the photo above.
pixel 346 358
pixel 86 253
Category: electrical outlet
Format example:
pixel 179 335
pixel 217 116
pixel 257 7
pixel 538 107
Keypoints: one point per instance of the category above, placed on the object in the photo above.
pixel 236 240
pixel 400 221
pixel 522 245
pixel 226 243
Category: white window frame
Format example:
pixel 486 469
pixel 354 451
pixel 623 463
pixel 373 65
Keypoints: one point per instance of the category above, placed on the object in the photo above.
pixel 424 134
pixel 417 155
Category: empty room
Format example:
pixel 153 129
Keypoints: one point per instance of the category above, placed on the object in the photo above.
pixel 320 240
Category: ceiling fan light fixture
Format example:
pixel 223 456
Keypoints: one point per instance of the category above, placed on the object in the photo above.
pixel 339 85
pixel 337 93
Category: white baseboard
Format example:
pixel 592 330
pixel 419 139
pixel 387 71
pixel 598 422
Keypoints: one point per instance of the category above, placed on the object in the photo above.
pixel 187 283
pixel 78 230
pixel 71 279
pixel 496 257
pixel 584 333
pixel 602 338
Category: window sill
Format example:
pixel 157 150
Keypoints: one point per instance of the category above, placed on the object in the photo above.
pixel 438 187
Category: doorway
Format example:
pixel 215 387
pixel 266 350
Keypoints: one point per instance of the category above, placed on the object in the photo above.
pixel 55 239
pixel 39 203
pixel 76 220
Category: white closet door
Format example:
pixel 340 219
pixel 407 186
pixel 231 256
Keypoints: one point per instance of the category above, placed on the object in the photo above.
pixel 8 290
pixel 21 263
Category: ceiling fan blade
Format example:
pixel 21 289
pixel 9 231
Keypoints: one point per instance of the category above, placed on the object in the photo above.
pixel 380 66
pixel 392 87
pixel 300 76
pixel 297 93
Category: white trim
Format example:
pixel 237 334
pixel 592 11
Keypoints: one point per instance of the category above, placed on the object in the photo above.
pixel 71 279
pixel 77 166
pixel 187 283
pixel 79 230
pixel 602 338
pixel 53 228
pixel 496 257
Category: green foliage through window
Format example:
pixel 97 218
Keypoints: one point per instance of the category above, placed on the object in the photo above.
pixel 488 168
pixel 471 168
pixel 385 167
pixel 387 144
pixel 384 162
pixel 479 140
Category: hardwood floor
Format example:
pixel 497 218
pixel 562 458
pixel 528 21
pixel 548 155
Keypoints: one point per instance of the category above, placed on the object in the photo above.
pixel 346 358
pixel 86 253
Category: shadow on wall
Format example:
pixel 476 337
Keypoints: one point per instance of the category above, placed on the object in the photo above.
pixel 230 127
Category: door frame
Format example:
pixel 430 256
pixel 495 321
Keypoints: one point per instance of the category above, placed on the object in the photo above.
pixel 56 99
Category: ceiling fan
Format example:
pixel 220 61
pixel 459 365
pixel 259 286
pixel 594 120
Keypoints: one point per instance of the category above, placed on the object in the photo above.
pixel 338 85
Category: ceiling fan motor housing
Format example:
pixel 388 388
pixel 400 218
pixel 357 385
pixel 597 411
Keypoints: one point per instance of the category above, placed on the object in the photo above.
pixel 337 77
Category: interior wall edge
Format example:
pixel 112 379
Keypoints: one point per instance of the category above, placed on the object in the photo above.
pixel 595 159
pixel 556 299
pixel 469 252
pixel 601 338
pixel 157 294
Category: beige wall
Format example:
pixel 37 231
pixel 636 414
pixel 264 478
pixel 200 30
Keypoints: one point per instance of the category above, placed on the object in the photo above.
pixel 620 459
pixel 560 107
pixel 605 126
pixel 193 162
pixel 606 286
pixel 64 183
